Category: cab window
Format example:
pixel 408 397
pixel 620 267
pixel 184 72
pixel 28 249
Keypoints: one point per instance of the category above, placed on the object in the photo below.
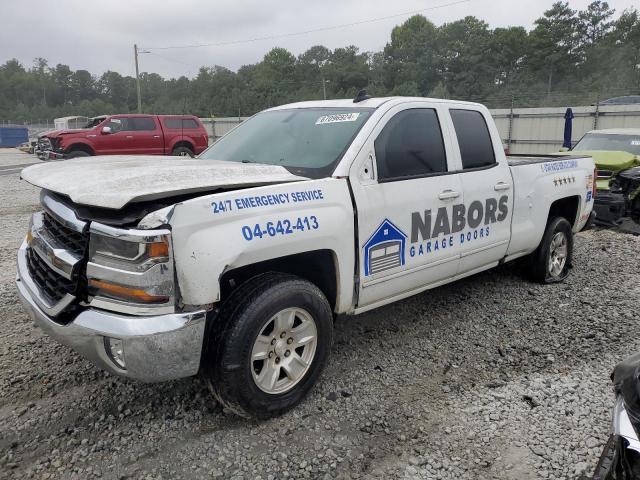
pixel 410 146
pixel 474 139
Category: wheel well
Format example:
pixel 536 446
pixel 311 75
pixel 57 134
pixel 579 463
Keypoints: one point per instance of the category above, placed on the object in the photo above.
pixel 183 143
pixel 318 267
pixel 567 208
pixel 80 147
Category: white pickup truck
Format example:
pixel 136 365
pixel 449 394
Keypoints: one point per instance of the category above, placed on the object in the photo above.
pixel 235 264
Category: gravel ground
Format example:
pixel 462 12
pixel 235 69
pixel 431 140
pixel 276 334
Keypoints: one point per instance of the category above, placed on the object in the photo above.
pixel 492 377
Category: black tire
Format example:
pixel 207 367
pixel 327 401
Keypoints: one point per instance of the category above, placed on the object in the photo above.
pixel 540 259
pixel 77 153
pixel 227 364
pixel 182 152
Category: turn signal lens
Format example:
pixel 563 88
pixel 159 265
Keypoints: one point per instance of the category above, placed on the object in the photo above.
pixel 122 292
pixel 158 249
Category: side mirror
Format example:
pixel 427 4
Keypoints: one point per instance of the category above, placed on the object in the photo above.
pixel 563 149
pixel 106 130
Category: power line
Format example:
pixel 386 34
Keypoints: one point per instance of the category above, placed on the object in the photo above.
pixel 306 32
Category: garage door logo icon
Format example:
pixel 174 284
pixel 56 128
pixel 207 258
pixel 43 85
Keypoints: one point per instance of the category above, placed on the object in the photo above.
pixel 385 249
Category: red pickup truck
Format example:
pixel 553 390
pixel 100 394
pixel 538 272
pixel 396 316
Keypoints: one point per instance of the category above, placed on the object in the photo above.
pixel 182 135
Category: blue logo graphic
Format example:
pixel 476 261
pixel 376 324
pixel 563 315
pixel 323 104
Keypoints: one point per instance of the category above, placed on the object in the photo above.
pixel 385 249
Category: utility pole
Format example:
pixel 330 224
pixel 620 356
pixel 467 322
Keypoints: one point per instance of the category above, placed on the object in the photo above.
pixel 135 54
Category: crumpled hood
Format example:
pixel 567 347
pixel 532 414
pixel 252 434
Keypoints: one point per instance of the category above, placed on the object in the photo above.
pixel 114 181
pixel 59 133
pixel 611 159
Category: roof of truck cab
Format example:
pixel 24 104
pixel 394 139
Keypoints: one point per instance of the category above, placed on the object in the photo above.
pixel 374 102
pixel 618 131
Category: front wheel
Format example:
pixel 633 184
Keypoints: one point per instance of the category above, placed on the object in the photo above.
pixel 268 345
pixel 552 260
pixel 77 154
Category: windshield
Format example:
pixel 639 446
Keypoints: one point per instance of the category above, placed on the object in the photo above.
pixel 306 141
pixel 607 141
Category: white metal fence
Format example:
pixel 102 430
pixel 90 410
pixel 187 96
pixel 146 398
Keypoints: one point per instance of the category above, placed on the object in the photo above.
pixel 219 126
pixel 541 130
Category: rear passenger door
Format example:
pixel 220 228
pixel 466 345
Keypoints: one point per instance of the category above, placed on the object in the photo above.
pixel 405 189
pixel 487 185
pixel 147 136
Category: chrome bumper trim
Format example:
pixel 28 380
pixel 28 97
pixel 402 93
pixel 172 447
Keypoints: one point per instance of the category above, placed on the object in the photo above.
pixel 156 348
pixel 57 257
pixel 51 309
pixel 62 213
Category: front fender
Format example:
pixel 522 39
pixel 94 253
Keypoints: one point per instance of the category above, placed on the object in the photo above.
pixel 67 143
pixel 224 231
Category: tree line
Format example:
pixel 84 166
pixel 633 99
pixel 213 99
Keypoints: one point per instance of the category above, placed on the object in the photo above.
pixel 568 56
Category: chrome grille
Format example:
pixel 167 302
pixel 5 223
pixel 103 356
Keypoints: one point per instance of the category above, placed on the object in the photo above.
pixel 55 256
pixel 44 144
pixel 69 239
pixel 51 284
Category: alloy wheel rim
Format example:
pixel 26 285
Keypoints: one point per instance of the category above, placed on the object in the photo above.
pixel 283 350
pixel 558 254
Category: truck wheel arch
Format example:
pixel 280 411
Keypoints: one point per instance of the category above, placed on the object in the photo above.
pixel 320 267
pixel 182 143
pixel 567 207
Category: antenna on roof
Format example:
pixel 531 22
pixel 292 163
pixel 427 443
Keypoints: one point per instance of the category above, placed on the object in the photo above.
pixel 361 96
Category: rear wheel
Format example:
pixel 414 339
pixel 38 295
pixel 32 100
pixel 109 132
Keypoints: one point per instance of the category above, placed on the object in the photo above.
pixel 552 260
pixel 182 152
pixel 268 345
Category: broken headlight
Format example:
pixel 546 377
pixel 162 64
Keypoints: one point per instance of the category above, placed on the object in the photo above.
pixel 130 270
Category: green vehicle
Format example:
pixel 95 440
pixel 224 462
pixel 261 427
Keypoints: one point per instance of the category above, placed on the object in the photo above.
pixel 616 153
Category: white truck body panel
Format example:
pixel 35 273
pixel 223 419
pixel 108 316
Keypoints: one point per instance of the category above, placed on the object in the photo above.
pixel 217 233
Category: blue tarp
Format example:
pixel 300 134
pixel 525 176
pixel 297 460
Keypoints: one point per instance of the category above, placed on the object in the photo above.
pixel 13 136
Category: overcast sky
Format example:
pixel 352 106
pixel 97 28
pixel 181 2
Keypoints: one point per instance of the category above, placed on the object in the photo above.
pixel 99 35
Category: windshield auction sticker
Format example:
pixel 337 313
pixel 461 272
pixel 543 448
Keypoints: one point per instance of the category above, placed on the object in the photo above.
pixel 338 117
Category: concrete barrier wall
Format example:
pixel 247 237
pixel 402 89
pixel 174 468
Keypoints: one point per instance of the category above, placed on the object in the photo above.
pixel 523 130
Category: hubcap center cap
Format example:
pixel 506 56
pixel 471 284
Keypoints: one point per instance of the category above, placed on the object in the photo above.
pixel 280 347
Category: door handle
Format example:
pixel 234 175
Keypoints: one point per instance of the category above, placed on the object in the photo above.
pixel 129 136
pixel 156 136
pixel 501 186
pixel 446 194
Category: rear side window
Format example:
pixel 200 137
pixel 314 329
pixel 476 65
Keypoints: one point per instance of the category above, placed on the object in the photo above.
pixel 143 123
pixel 474 140
pixel 411 145
pixel 177 123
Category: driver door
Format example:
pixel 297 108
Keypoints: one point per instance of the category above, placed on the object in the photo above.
pixel 119 141
pixel 406 186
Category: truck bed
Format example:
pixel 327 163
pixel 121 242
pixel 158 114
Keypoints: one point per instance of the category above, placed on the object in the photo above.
pixel 517 160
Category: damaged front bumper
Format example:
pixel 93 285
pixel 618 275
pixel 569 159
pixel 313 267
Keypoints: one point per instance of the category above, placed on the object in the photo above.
pixel 153 348
pixel 609 207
